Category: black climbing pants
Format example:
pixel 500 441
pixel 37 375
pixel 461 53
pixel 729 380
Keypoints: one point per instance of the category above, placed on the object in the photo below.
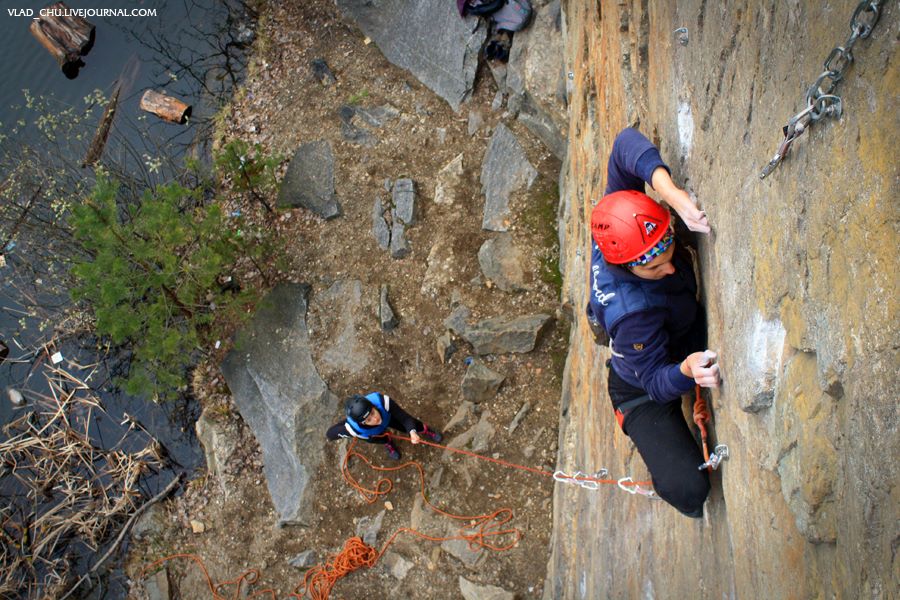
pixel 666 444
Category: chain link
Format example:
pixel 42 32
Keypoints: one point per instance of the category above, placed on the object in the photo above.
pixel 820 100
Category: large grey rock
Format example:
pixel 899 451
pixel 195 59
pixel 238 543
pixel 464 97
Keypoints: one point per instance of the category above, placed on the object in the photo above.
pixel 380 227
pixel 404 196
pixel 427 38
pixel 309 181
pixel 505 170
pixel 475 591
pixel 503 263
pixel 498 335
pixel 480 383
pixel 337 316
pixel 535 78
pixel 280 396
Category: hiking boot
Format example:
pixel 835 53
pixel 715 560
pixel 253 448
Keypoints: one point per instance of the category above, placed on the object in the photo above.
pixel 392 451
pixel 434 436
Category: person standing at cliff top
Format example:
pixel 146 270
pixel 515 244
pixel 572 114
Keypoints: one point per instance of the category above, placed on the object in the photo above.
pixel 644 296
pixel 370 416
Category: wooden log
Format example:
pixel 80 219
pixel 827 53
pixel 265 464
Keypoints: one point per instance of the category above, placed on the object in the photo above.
pixel 66 37
pixel 165 107
pixel 102 134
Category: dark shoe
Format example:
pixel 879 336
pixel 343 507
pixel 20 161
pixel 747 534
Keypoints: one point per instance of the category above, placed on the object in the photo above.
pixel 694 514
pixel 434 436
pixel 392 451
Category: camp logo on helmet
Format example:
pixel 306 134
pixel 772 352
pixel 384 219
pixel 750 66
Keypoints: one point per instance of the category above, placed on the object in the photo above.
pixel 649 227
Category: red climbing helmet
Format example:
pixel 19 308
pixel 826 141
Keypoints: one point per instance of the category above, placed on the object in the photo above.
pixel 627 224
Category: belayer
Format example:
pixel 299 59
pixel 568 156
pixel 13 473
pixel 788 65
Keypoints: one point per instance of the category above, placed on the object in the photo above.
pixel 369 417
pixel 644 297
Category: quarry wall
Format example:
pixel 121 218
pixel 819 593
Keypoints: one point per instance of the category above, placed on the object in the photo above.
pixel 799 277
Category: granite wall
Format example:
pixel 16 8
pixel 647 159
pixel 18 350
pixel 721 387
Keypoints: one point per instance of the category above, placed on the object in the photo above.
pixel 800 282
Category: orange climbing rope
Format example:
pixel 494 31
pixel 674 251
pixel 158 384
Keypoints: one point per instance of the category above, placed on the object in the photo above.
pixel 479 530
pixel 701 419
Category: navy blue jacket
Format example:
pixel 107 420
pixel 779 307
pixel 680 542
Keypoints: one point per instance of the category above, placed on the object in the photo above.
pixel 643 317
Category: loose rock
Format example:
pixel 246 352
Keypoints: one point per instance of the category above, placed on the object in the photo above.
pixel 385 312
pixel 480 383
pixel 397 565
pixel 502 262
pixel 449 181
pixel 499 335
pixel 305 559
pixel 445 347
pixel 474 591
pixel 404 197
pixel 380 227
pixel 399 244
pixel 309 181
pixel 519 416
pixel 321 72
pixel 368 528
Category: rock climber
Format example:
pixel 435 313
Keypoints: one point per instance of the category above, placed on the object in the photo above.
pixel 369 417
pixel 644 296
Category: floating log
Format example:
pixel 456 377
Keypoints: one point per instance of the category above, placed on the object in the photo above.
pixel 67 37
pixel 99 142
pixel 165 107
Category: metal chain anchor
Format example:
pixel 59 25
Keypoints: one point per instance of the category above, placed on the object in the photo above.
pixel 820 101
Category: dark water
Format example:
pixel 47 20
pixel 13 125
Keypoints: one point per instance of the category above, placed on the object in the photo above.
pixel 179 51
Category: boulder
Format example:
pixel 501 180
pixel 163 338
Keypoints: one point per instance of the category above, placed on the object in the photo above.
pixel 498 335
pixel 460 549
pixel 505 170
pixel 276 387
pixel 480 383
pixel 502 263
pixel 425 37
pixel 336 317
pixel 475 122
pixel 309 181
pixel 474 591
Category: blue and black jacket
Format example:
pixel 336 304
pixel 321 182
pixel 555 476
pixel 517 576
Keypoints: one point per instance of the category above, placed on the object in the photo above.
pixel 391 416
pixel 647 320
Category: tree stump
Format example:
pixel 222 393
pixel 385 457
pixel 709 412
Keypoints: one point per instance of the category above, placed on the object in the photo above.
pixel 66 37
pixel 165 107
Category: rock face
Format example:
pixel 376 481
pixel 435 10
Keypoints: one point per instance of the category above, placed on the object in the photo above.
pixel 279 394
pixel 309 181
pixel 427 38
pixel 802 311
pixel 505 170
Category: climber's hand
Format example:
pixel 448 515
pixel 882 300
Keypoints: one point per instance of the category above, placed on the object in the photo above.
pixel 414 437
pixel 701 367
pixel 683 203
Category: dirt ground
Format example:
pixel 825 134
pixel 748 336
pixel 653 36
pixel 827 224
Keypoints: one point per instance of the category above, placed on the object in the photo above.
pixel 280 107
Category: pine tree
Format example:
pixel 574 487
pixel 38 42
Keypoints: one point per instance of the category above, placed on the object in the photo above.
pixel 153 277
